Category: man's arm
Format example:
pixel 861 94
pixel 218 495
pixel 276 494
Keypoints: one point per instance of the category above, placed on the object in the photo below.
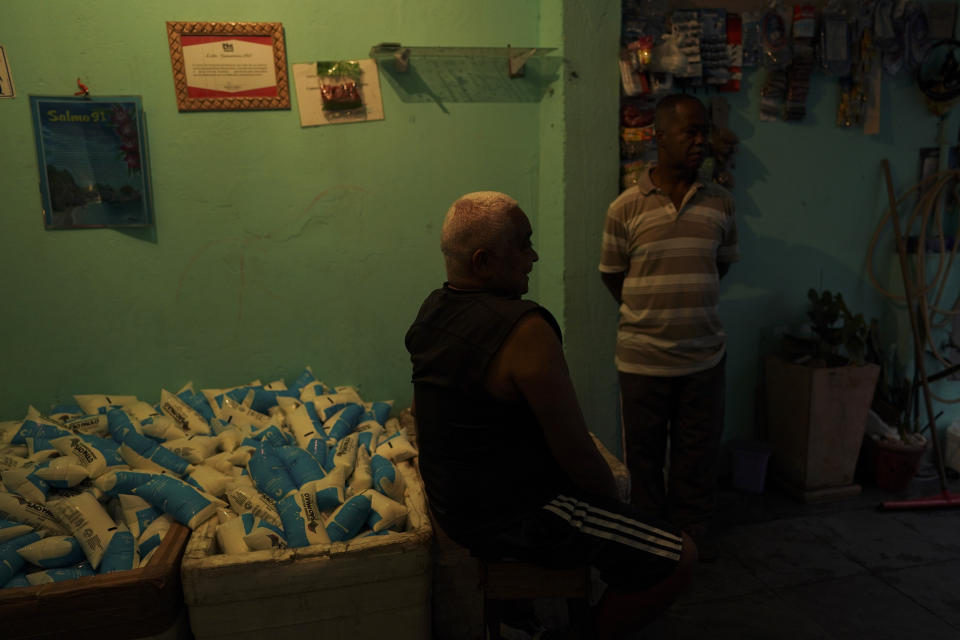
pixel 614 283
pixel 531 362
pixel 722 268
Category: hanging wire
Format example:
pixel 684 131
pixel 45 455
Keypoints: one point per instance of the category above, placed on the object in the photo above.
pixel 928 212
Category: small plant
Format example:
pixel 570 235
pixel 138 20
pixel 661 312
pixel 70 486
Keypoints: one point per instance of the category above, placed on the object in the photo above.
pixel 850 338
pixel 837 336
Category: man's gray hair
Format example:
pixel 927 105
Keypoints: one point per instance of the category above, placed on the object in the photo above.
pixel 475 221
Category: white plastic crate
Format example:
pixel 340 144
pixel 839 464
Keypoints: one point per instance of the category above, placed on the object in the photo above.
pixel 362 588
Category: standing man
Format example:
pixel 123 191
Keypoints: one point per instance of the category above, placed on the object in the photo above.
pixel 667 241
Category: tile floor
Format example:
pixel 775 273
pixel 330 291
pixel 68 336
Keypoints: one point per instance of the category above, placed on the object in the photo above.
pixel 837 570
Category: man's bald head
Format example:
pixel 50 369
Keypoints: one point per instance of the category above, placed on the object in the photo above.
pixel 479 220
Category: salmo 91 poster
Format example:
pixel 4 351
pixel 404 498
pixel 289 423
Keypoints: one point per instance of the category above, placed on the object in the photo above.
pixel 93 162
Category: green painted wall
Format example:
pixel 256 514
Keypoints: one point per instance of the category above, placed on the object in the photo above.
pixel 809 197
pixel 275 246
pixel 590 183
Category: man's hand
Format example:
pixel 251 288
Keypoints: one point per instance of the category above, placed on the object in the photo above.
pixel 614 283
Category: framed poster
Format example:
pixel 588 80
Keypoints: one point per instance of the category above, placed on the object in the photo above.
pixel 93 163
pixel 220 66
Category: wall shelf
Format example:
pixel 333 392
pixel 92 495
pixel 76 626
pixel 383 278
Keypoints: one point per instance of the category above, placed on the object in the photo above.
pixel 516 57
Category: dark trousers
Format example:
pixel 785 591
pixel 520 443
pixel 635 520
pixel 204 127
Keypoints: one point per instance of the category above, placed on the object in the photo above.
pixel 689 410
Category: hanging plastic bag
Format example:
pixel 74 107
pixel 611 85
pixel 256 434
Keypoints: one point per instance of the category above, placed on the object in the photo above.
pixel 775 36
pixel 340 85
pixel 835 40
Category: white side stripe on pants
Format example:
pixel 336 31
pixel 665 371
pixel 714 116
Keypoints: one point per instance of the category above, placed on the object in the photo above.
pixel 617 532
pixel 610 515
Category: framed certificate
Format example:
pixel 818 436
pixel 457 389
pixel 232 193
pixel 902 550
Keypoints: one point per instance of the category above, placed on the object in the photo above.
pixel 222 66
pixel 6 79
pixel 93 162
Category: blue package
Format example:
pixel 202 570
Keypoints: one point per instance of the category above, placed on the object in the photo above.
pixel 302 526
pixel 149 449
pixel 124 481
pixel 381 411
pixel 365 440
pixel 265 399
pixel 237 395
pixel 168 460
pixel 53 552
pixel 19 580
pixel 177 498
pixel 386 480
pixel 37 430
pixel 36 488
pixel 149 544
pixel 326 413
pixel 322 451
pixel 345 523
pixel 119 554
pixel 119 424
pixel 109 448
pixel 274 436
pixel 60 575
pixel 346 422
pixel 326 494
pixel 305 378
pixel 302 466
pixel 10 529
pixel 198 403
pixel 269 473
pixel 10 561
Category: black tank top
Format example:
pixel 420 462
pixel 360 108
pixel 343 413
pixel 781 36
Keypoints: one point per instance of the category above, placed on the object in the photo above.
pixel 484 462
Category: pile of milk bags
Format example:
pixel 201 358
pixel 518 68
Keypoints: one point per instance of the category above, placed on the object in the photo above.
pixel 93 487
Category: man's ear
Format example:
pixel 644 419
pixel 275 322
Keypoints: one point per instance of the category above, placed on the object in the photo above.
pixel 480 260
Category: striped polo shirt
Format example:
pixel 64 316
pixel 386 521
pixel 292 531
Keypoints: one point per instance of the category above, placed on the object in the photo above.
pixel 669 321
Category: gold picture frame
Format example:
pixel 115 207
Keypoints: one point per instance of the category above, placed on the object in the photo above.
pixel 227 66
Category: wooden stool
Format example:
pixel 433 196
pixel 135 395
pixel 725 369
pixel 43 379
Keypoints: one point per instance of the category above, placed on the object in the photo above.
pixel 514 580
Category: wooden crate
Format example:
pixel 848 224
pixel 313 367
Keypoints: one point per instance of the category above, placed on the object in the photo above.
pixel 116 606
pixel 362 588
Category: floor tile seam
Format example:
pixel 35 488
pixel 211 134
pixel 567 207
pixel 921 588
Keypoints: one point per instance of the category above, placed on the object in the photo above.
pixel 823 539
pixel 807 583
pixel 791 605
pixel 801 611
pixel 917 602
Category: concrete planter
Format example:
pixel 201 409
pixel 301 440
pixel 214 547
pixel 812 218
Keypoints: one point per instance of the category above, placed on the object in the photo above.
pixel 817 418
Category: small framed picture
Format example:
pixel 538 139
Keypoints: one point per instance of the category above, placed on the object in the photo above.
pixel 6 78
pixel 223 66
pixel 93 162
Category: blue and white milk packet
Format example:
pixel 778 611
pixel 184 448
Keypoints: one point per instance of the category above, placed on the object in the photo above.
pixel 386 478
pixel 302 466
pixel 302 522
pixel 121 553
pixel 270 473
pixel 10 561
pixel 173 496
pixel 38 578
pixel 89 523
pixel 53 552
pixel 346 522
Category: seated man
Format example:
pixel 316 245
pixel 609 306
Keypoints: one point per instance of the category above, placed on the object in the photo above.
pixel 509 466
